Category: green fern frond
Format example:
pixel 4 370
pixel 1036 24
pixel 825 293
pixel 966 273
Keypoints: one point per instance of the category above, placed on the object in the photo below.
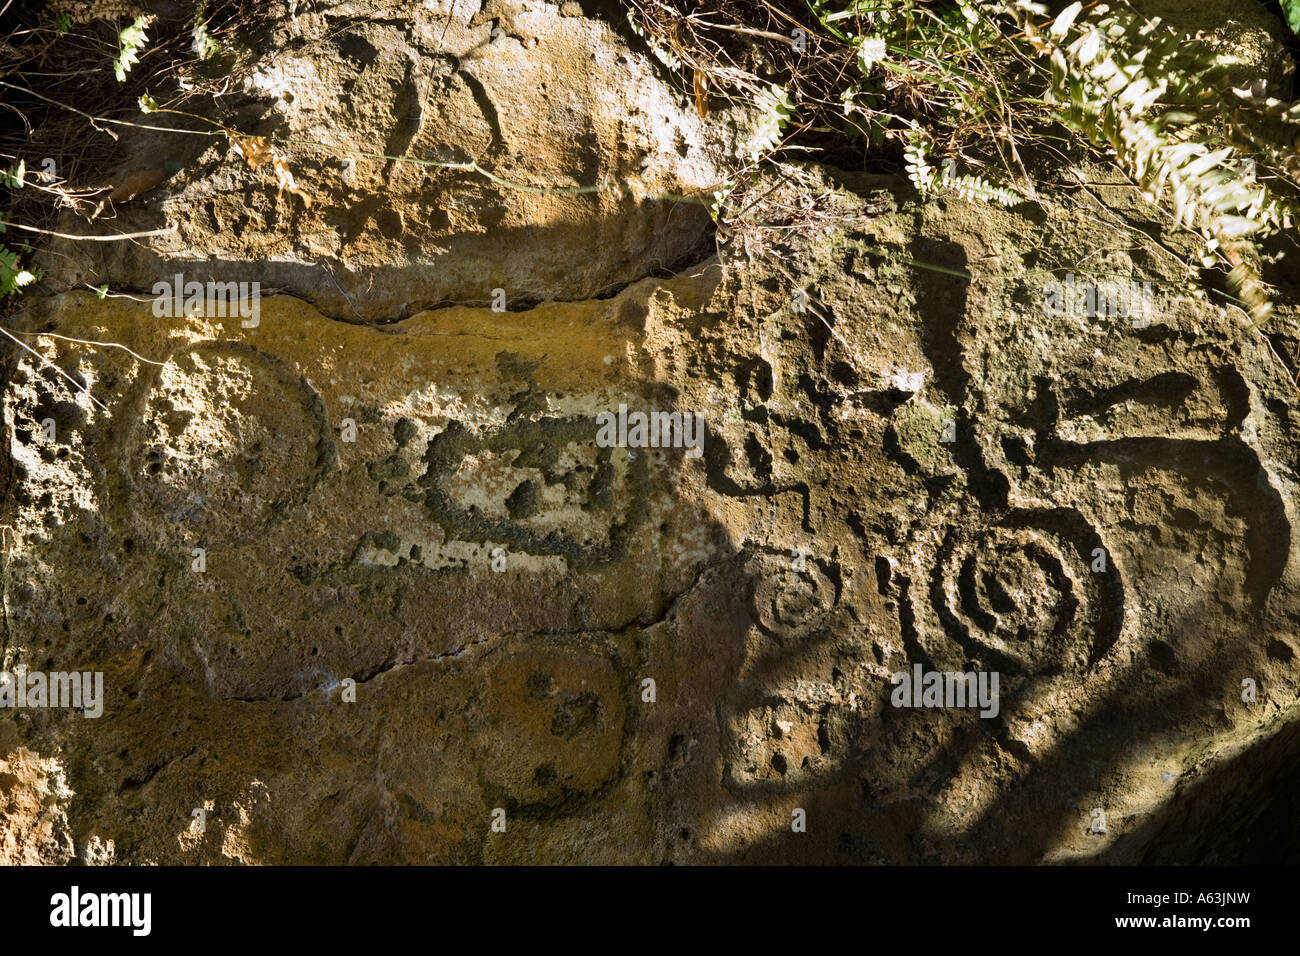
pixel 927 181
pixel 130 42
pixel 1138 88
pixel 774 102
pixel 12 276
pixel 201 41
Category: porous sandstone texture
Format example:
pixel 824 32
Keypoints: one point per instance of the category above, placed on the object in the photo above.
pixel 380 100
pixel 360 591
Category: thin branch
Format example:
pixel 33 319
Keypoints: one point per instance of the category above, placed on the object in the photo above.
pixel 104 119
pixel 75 384
pixel 116 345
pixel 114 238
pixel 749 31
pixel 1269 342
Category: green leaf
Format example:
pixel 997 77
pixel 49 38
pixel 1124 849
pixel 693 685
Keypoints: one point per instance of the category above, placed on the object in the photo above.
pixel 13 178
pixel 12 276
pixel 1292 10
pixel 202 43
pixel 1061 25
pixel 130 42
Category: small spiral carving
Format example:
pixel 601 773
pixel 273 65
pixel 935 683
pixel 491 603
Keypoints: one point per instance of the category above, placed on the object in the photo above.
pixel 228 440
pixel 787 600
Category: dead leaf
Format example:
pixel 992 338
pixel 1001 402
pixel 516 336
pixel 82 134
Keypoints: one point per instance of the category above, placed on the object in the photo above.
pixel 129 188
pixel 701 97
pixel 256 152
pixel 137 183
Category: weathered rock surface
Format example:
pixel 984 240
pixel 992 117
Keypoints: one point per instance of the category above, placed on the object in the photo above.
pixel 1111 529
pixel 541 99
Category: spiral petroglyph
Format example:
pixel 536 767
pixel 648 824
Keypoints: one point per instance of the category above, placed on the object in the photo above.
pixel 1029 593
pixel 789 599
pixel 224 476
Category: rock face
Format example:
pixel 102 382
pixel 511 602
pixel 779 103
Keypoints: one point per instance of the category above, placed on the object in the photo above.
pixel 383 593
pixel 541 99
